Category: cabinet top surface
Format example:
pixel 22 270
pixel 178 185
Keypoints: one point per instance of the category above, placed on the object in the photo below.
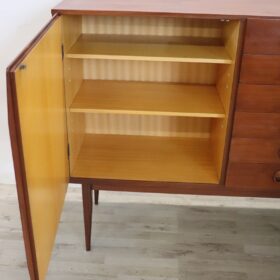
pixel 209 8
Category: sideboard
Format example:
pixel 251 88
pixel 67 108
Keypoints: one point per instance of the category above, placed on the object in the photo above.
pixel 146 96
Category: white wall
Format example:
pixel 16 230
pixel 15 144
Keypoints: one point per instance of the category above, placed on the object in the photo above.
pixel 20 21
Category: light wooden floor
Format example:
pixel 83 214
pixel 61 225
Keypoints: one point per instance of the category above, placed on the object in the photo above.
pixel 144 241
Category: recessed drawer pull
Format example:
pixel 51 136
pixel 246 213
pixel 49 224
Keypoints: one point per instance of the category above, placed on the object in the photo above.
pixel 276 177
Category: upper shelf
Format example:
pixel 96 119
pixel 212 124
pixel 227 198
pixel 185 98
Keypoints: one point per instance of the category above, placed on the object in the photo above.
pixel 98 47
pixel 147 98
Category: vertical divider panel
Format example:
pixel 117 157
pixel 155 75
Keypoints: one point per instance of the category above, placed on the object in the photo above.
pixel 225 83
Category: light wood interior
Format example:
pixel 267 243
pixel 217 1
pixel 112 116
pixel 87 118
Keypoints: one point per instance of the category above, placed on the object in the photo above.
pixel 147 125
pixel 146 158
pixel 138 86
pixel 88 46
pixel 99 96
pixel 224 86
pixel 41 105
pixel 73 76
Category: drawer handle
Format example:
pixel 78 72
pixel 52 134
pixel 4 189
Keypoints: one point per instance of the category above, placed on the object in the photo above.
pixel 276 177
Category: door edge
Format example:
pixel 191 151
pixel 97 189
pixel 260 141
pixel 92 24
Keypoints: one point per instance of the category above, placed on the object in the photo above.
pixel 17 153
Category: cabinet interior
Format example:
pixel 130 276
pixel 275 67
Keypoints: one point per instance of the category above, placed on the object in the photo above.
pixel 148 98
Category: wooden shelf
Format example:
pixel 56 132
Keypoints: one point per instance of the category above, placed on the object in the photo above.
pixel 97 47
pixel 145 158
pixel 147 98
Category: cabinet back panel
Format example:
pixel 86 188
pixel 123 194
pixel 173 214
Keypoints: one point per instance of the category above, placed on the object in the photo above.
pixel 152 26
pixel 150 71
pixel 147 125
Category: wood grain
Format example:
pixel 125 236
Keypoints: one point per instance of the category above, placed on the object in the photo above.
pixel 147 125
pixel 255 150
pixel 85 48
pixel 156 30
pixel 41 105
pixel 217 8
pixel 227 79
pixel 147 99
pixel 260 69
pixel 256 125
pixel 258 98
pixel 176 187
pixel 196 32
pixel 252 176
pixel 73 77
pixel 262 36
pixel 145 158
pixel 20 176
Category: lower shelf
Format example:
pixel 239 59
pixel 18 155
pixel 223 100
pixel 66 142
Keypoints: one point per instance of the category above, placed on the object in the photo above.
pixel 145 158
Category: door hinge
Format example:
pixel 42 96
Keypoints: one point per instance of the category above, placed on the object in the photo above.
pixel 62 51
pixel 68 150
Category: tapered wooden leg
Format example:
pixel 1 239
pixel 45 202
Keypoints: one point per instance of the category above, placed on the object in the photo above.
pixel 96 197
pixel 87 204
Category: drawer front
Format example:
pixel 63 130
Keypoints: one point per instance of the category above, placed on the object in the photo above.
pixel 260 69
pixel 254 161
pixel 262 36
pixel 250 176
pixel 256 125
pixel 255 150
pixel 258 98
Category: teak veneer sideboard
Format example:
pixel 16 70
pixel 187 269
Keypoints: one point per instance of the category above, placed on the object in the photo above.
pixel 148 96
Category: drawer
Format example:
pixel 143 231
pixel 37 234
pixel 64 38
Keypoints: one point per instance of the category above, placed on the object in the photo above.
pixel 255 150
pixel 260 69
pixel 256 125
pixel 258 98
pixel 262 36
pixel 253 176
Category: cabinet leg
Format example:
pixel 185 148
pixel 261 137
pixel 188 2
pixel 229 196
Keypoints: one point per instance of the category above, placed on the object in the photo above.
pixel 96 197
pixel 87 205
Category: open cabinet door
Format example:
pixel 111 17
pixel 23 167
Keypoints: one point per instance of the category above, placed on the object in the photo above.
pixel 37 122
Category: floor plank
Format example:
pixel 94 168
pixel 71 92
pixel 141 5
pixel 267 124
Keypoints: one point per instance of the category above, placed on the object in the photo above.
pixel 148 241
